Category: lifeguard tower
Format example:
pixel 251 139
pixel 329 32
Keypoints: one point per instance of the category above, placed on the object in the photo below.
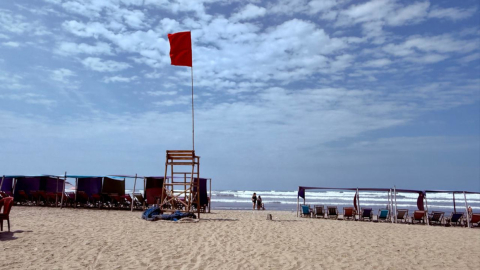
pixel 181 182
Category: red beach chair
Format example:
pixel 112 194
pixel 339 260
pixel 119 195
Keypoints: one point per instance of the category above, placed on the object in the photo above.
pixel 348 213
pixel 7 206
pixel 475 220
pixel 419 217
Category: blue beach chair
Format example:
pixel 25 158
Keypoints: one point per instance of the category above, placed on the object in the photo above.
pixel 383 215
pixel 306 212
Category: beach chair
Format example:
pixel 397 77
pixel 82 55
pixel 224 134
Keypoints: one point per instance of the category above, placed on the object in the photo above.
pixel 436 218
pixel 7 204
pixel 82 199
pixel 475 220
pixel 22 197
pixel 418 217
pixel 319 211
pixel 349 213
pixel 402 214
pixel 383 215
pixel 367 213
pixel 332 211
pixel 306 211
pixel 139 200
pixel 455 219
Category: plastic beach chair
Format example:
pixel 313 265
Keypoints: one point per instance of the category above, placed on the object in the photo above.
pixel 348 213
pixel 402 214
pixel 383 215
pixel 367 213
pixel 319 211
pixel 306 211
pixel 7 206
pixel 418 216
pixel 436 217
pixel 332 211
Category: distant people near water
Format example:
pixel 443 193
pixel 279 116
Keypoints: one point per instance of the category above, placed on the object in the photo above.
pixel 254 200
pixel 470 211
pixel 260 203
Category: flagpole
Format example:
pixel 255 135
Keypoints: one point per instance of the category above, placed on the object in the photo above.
pixel 193 115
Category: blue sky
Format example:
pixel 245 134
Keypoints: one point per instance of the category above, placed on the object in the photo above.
pixel 287 93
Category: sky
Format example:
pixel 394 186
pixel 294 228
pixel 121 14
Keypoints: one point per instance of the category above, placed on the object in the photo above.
pixel 300 92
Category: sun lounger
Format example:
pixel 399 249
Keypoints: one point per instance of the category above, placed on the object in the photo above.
pixel 306 211
pixel 475 220
pixel 455 219
pixel 383 215
pixel 348 213
pixel 402 214
pixel 436 217
pixel 22 197
pixel 139 200
pixel 367 213
pixel 82 199
pixel 418 217
pixel 332 211
pixel 319 211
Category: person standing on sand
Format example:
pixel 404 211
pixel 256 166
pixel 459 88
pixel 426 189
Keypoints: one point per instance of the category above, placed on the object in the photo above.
pixel 259 203
pixel 254 200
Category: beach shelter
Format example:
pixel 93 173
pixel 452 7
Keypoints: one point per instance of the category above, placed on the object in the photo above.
pixel 453 199
pixel 7 185
pixel 153 189
pixel 111 185
pixel 89 184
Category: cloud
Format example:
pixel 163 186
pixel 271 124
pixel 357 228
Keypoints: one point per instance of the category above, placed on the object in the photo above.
pixel 451 13
pixel 70 48
pixel 62 75
pixel 115 79
pixel 30 98
pixel 11 44
pixel 378 63
pixel 161 93
pixel 249 12
pixel 98 64
pixel 11 81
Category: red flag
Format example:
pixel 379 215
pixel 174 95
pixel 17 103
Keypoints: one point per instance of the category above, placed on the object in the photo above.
pixel 181 49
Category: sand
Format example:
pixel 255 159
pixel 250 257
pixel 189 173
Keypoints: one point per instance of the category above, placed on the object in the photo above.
pixel 48 238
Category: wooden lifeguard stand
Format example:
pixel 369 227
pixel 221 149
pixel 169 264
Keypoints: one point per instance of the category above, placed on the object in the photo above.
pixel 181 193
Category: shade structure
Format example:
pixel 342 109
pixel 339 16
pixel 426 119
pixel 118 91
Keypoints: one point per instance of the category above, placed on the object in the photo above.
pixel 90 185
pixel 26 184
pixel 153 188
pixel 203 190
pixel 111 185
pixel 7 185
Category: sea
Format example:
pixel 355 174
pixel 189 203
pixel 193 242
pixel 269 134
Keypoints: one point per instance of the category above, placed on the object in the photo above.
pixel 287 200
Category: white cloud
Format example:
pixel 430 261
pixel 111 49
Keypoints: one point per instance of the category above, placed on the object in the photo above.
pixel 451 13
pixel 70 48
pixel 30 98
pixel 249 12
pixel 470 58
pixel 115 79
pixel 11 44
pixel 62 75
pixel 97 64
pixel 179 100
pixel 12 81
pixel 378 63
pixel 161 93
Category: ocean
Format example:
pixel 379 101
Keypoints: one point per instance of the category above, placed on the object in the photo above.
pixel 287 200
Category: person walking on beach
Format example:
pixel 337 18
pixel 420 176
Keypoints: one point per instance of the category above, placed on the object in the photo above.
pixel 254 200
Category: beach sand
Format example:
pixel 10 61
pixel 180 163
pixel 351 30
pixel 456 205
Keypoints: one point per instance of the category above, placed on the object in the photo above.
pixel 48 238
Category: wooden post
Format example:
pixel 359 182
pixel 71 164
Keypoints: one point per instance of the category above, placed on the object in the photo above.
pixel 358 203
pixel 56 193
pixel 63 190
pixel 390 203
pixel 210 196
pixel 426 207
pixel 14 186
pixel 454 207
pixel 145 192
pixel 1 184
pixel 76 186
pixel 466 209
pixel 298 202
pixel 395 196
pixel 133 196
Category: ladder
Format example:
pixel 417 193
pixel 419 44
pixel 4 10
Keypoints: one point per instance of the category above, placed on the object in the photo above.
pixel 181 183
